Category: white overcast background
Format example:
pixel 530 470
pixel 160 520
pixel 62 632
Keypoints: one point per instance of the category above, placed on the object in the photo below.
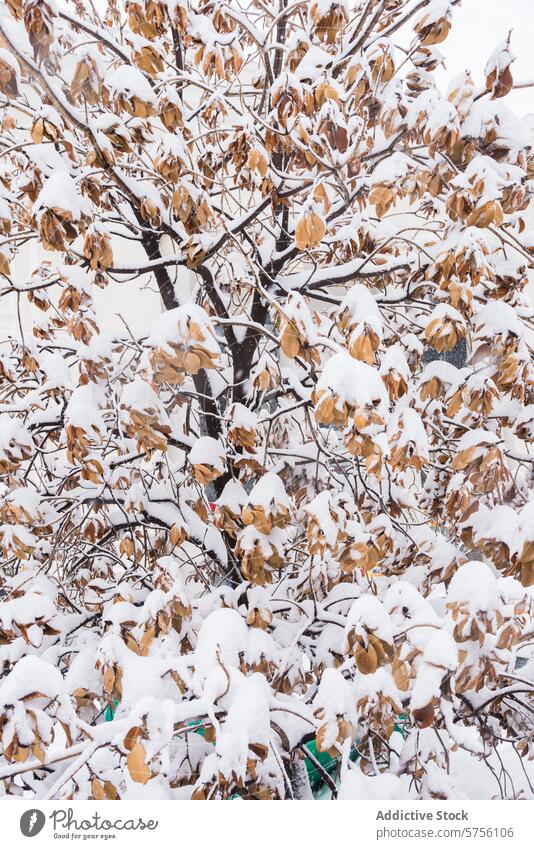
pixel 477 27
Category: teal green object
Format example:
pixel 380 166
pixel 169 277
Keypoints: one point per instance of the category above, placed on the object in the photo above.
pixel 109 713
pixel 328 763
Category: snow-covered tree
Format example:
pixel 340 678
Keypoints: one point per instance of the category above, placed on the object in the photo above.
pixel 287 530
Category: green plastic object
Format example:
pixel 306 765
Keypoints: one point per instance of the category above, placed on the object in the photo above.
pixel 327 762
pixel 109 713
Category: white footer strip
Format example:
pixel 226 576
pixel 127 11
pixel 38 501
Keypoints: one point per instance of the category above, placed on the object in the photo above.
pixel 257 825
